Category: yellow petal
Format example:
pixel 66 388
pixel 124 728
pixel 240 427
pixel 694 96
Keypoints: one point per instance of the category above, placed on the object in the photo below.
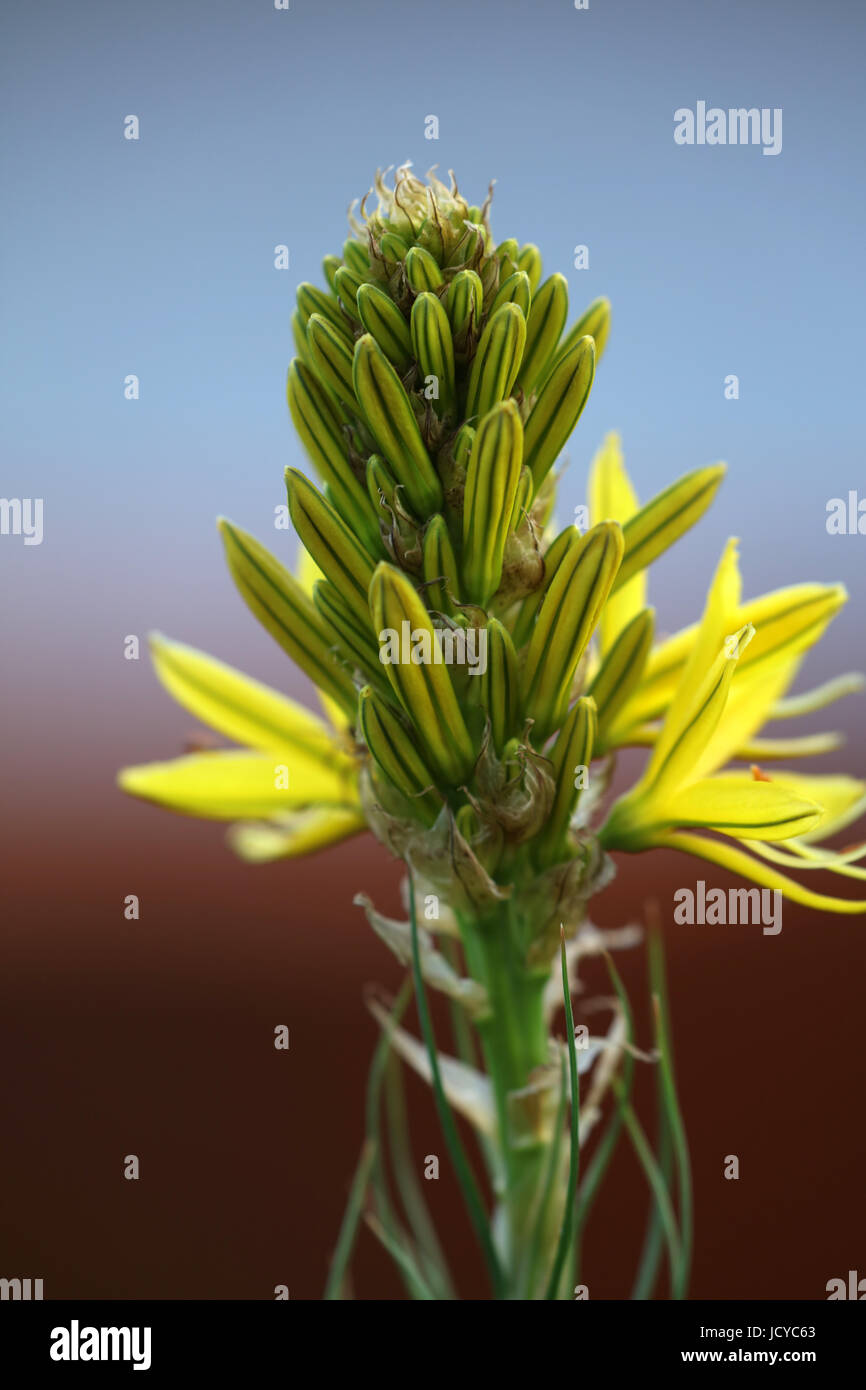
pixel 240 708
pixel 842 798
pixel 727 856
pixel 694 717
pixel 294 835
pixel 228 784
pixel 742 806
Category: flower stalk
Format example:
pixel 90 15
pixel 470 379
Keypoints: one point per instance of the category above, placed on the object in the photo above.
pixel 479 671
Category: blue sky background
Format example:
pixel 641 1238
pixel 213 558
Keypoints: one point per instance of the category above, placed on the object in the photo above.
pixel 257 128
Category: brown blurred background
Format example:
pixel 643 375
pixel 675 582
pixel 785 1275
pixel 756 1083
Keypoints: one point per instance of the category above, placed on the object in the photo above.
pixel 156 1038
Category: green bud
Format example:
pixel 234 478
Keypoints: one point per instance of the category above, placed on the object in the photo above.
pixel 514 290
pixel 434 349
pixel 356 258
pixel 381 318
pixel 422 272
pixel 557 408
pixel 332 359
pixel 339 555
pixel 491 486
pixel 439 568
pixel 285 611
pixel 358 643
pixel 464 301
pixel 621 669
pixel 325 442
pixel 522 499
pixel 464 440
pixel 571 756
pixel 299 334
pixel 667 517
pixel 470 247
pixel 529 260
pixel 500 685
pixel 381 483
pixel 394 427
pixel 314 301
pixel 393 247
pixel 543 329
pixel 507 254
pixel 394 752
pixel 595 322
pixel 423 686
pixel 496 361
pixel 522 628
pixel 347 286
pixel 330 266
pixel 565 623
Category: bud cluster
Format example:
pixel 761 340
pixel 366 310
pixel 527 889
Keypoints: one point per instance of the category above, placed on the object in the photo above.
pixel 433 390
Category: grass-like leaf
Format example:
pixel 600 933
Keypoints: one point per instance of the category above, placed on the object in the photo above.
pixel 465 1176
pixel 565 1233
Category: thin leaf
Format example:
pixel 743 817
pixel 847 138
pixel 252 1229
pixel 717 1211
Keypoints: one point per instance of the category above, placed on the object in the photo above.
pixel 574 1156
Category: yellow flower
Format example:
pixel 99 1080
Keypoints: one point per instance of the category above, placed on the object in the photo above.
pixel 718 701
pixel 291 784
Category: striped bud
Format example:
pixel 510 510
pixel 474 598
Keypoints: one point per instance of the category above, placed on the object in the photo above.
pixel 514 290
pixel 543 329
pixel 522 499
pixel 394 427
pixel 496 361
pixel 347 285
pixel 565 623
pixel 508 254
pixel 470 247
pixel 522 629
pixel 324 441
pixel 439 568
pixel 464 441
pixel 500 685
pixel 422 272
pixel 557 408
pixel 571 756
pixel 358 643
pixel 434 349
pixel 421 683
pixel 667 517
pixel 464 301
pixel 594 321
pixel 529 260
pixel 381 318
pixel 332 358
pixel 332 545
pixel 356 258
pixel 299 336
pixel 312 300
pixel 381 483
pixel 491 487
pixel 285 611
pixel 621 670
pixel 393 247
pixel 330 266
pixel 393 750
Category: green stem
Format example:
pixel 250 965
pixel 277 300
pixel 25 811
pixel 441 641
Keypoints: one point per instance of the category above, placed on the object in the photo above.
pixel 465 1176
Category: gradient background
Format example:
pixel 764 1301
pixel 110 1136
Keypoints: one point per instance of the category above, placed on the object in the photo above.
pixel 156 258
